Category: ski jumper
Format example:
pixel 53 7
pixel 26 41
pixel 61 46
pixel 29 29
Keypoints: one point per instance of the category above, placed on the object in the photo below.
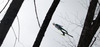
pixel 59 27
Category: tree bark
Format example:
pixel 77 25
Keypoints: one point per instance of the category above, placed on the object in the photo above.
pixel 45 23
pixel 90 27
pixel 9 17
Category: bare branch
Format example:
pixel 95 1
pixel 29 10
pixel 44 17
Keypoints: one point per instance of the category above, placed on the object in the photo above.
pixel 36 13
pixel 18 28
pixel 5 6
pixel 15 36
pixel 69 20
pixel 84 4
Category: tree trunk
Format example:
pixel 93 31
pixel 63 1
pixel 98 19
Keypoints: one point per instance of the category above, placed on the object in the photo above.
pixel 88 29
pixel 45 23
pixel 9 17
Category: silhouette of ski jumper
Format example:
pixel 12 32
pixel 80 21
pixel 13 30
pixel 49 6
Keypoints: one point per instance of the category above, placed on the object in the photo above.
pixel 59 27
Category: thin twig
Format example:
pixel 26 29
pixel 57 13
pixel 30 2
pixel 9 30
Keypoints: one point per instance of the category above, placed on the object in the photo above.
pixel 69 21
pixel 61 43
pixel 18 28
pixel 36 13
pixel 71 42
pixel 15 36
pixel 15 42
pixel 19 31
pixel 83 5
pixel 64 40
pixel 5 6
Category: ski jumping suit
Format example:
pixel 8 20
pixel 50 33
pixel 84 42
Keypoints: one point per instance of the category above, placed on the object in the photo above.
pixel 59 27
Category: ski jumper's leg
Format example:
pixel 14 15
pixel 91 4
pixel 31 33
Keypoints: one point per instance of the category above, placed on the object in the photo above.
pixel 67 32
pixel 63 32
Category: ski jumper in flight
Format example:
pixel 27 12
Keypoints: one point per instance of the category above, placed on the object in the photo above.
pixel 59 27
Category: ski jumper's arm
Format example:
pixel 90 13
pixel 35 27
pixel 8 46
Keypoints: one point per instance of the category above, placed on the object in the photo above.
pixel 59 25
